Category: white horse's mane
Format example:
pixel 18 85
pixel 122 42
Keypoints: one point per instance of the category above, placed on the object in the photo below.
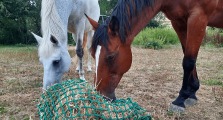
pixel 51 24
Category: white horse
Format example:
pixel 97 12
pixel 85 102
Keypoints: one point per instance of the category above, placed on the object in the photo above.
pixel 57 18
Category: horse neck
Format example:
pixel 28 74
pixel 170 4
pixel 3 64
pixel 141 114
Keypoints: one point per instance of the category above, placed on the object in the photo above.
pixel 54 19
pixel 142 20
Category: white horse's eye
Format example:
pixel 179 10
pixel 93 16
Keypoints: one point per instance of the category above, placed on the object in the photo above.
pixel 56 62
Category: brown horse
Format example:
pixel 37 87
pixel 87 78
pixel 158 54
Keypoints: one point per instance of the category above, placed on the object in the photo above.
pixel 111 46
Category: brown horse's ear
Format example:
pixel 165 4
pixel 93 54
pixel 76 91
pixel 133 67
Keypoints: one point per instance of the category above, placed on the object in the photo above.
pixel 93 23
pixel 113 26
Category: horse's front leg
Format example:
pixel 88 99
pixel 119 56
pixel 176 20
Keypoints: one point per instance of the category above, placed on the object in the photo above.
pixel 196 27
pixel 181 30
pixel 80 54
pixel 75 39
pixel 90 35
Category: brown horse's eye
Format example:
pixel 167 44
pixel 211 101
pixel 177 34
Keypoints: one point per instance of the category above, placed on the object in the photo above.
pixel 111 57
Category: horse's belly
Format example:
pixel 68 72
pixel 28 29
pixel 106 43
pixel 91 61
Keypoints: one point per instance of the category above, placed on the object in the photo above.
pixel 217 16
pixel 177 16
pixel 216 21
pixel 71 29
pixel 76 24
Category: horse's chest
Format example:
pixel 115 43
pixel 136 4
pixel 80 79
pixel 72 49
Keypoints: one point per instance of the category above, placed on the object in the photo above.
pixel 74 22
pixel 77 21
pixel 177 15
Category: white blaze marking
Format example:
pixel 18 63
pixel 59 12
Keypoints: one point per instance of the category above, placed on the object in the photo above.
pixel 97 54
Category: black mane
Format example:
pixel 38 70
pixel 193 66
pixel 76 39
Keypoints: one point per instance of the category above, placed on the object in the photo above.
pixel 124 15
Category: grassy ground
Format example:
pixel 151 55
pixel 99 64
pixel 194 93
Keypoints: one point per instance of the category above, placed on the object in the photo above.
pixel 153 81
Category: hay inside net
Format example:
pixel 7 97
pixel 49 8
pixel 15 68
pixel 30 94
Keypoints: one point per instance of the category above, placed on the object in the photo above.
pixel 76 99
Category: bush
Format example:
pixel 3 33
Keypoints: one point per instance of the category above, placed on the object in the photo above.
pixel 20 45
pixel 153 43
pixel 156 37
pixel 153 24
pixel 34 44
pixel 214 37
pixel 71 40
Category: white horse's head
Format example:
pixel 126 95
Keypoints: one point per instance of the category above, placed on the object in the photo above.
pixel 54 58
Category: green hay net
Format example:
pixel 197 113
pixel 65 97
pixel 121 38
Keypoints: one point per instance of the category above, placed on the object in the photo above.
pixel 77 100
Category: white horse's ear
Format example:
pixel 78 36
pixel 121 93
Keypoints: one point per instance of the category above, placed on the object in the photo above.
pixel 94 23
pixel 54 40
pixel 38 38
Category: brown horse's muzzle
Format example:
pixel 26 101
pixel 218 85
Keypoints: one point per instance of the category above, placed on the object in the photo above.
pixel 107 86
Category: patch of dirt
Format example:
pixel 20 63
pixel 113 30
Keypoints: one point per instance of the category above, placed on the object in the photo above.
pixel 153 81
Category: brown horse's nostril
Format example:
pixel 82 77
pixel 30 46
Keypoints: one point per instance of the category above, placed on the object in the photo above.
pixel 115 76
pixel 111 97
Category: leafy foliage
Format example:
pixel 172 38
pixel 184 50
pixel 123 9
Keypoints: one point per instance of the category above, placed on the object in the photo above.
pixel 106 8
pixel 17 19
pixel 70 39
pixel 213 37
pixel 156 37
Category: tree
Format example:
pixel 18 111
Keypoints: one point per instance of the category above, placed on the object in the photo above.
pixel 17 18
pixel 106 8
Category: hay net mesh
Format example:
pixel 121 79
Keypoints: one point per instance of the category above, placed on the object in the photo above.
pixel 76 99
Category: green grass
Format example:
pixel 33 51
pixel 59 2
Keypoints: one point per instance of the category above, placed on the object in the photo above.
pixel 213 82
pixel 169 112
pixel 26 118
pixel 221 76
pixel 36 85
pixel 209 45
pixel 16 50
pixel 2 109
pixel 19 45
pixel 12 54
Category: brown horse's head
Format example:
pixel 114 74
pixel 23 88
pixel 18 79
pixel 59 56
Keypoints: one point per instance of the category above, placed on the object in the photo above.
pixel 113 57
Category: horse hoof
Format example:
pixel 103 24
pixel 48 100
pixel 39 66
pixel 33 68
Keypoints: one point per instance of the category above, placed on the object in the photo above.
pixel 190 102
pixel 176 109
pixel 82 78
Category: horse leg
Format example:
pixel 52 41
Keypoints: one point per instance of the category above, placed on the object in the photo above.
pixel 90 35
pixel 192 99
pixel 181 30
pixel 80 54
pixel 195 32
pixel 75 39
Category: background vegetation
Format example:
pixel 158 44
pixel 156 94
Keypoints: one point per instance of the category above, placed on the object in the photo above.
pixel 156 37
pixel 19 17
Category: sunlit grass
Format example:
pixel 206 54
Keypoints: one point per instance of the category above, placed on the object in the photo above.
pixel 16 54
